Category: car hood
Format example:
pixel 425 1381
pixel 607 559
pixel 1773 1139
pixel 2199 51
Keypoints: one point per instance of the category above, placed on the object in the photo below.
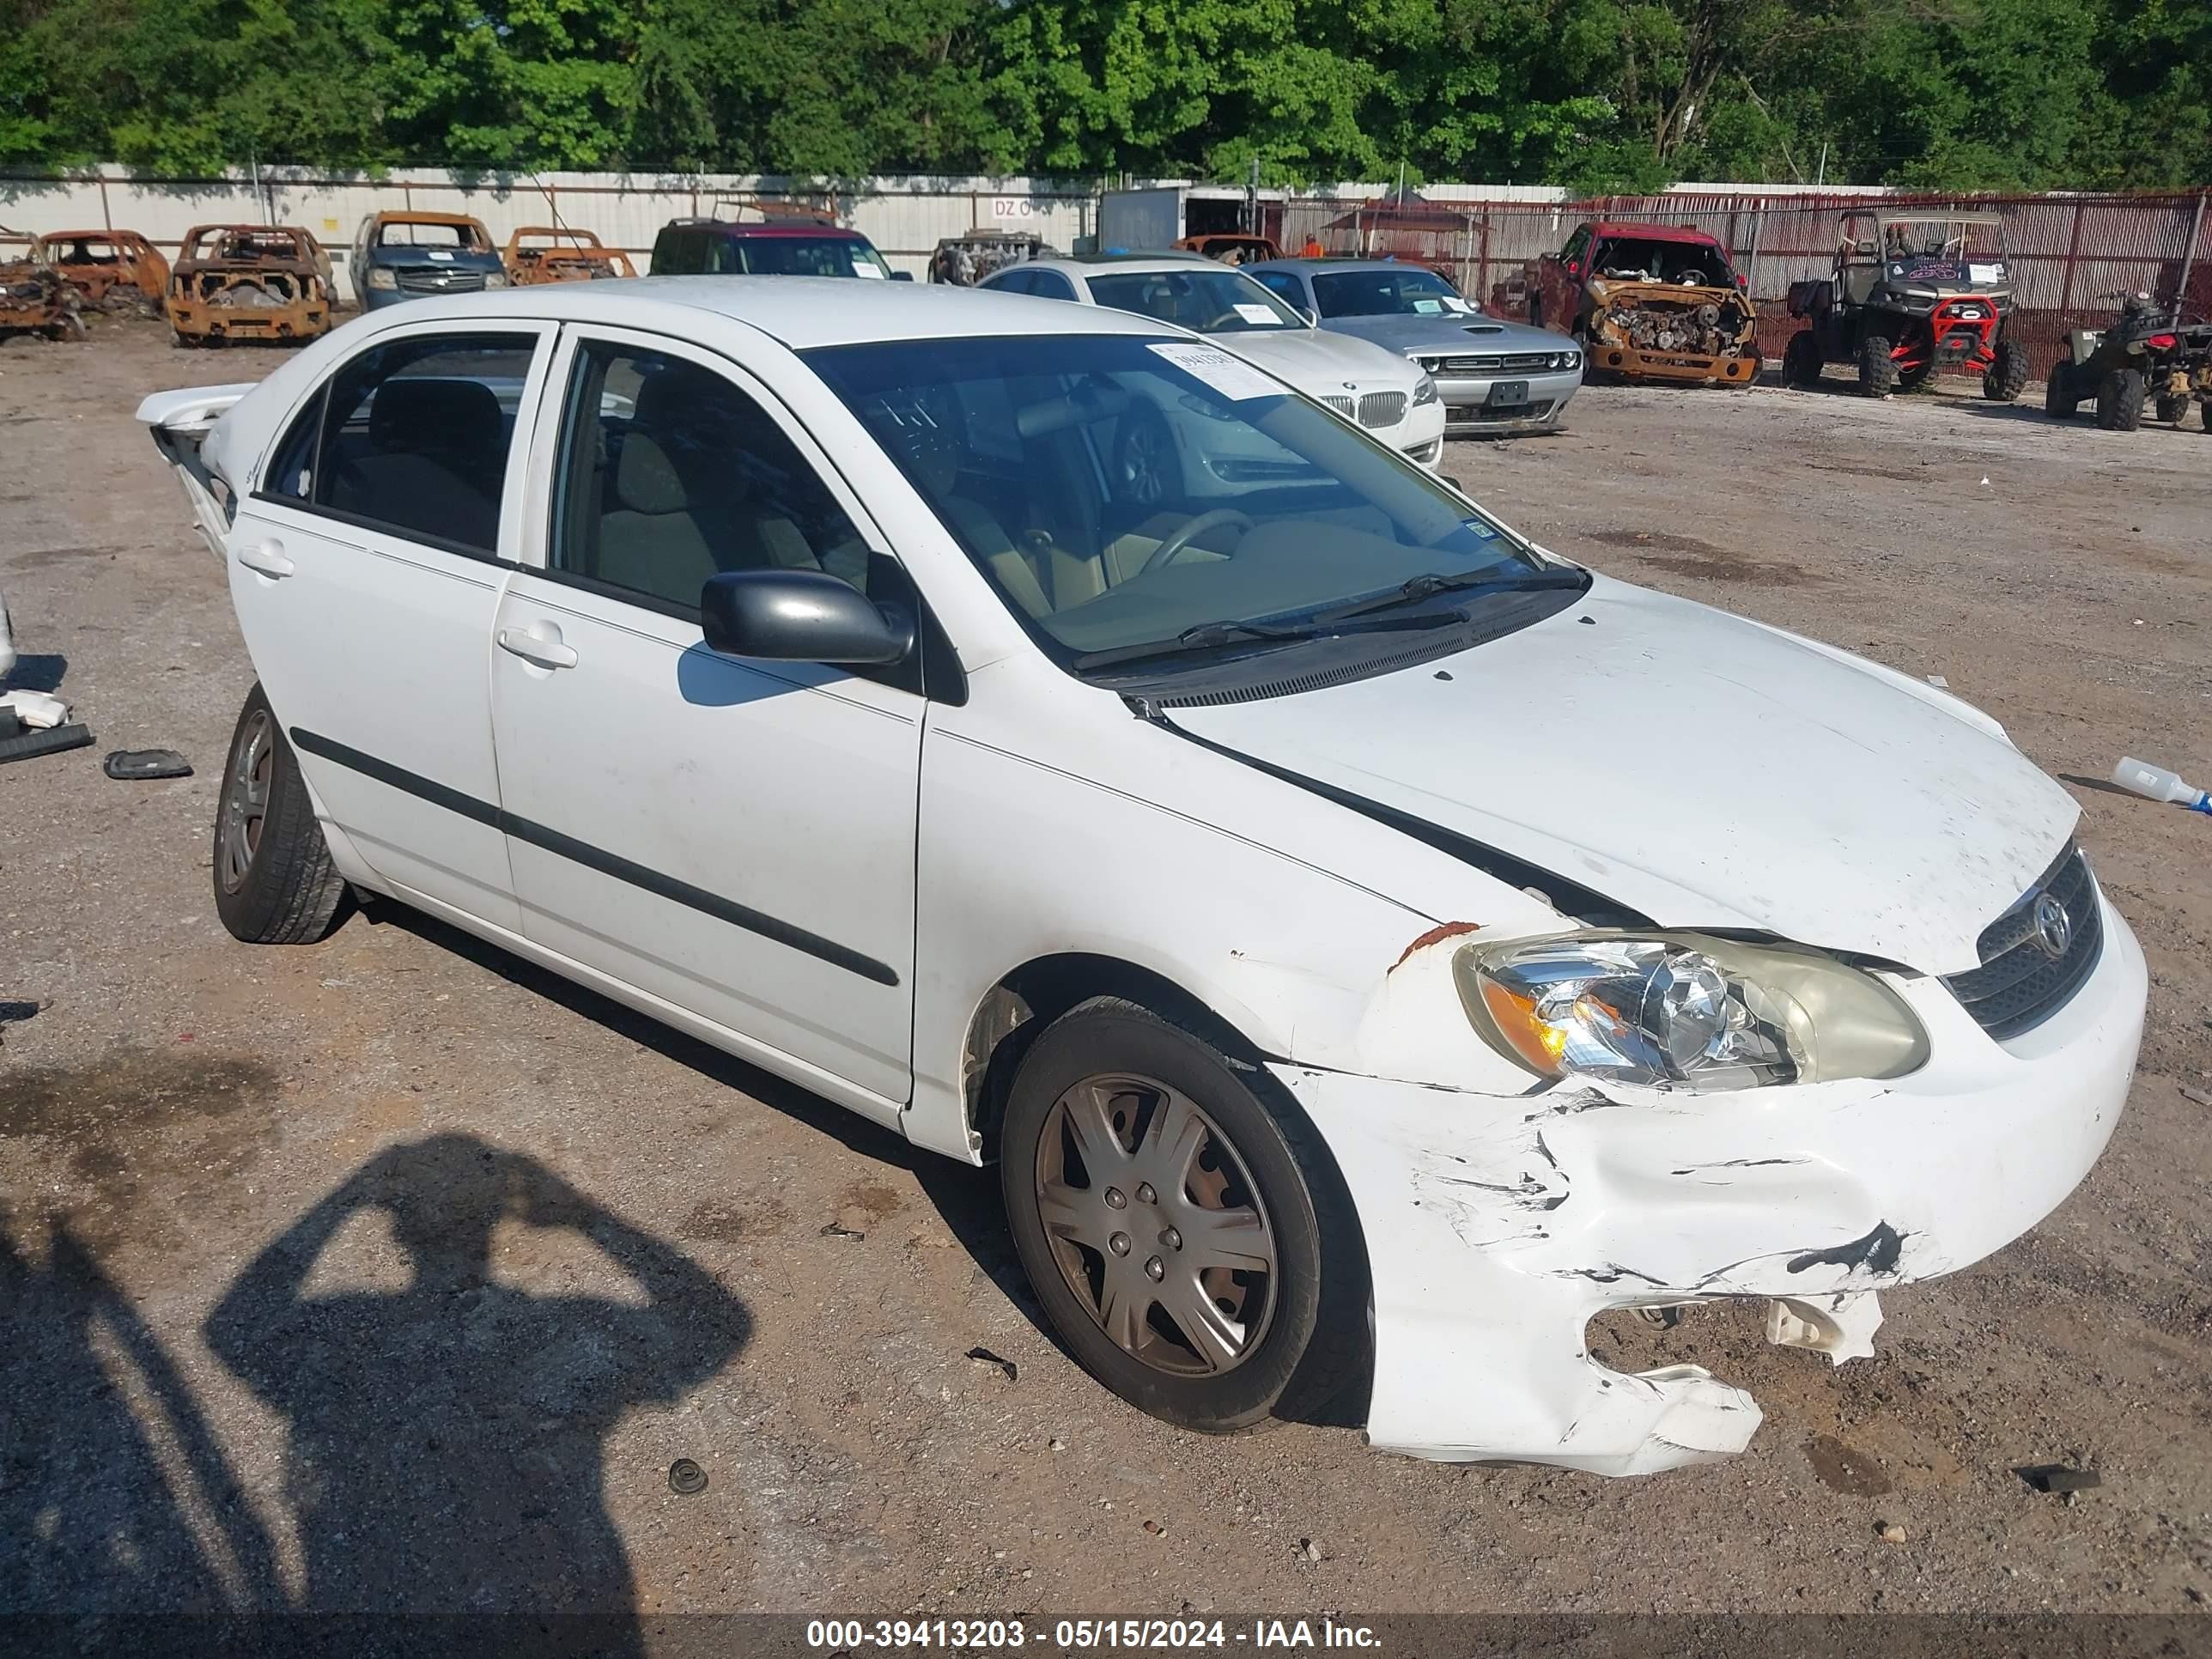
pixel 1704 769
pixel 1319 363
pixel 1448 334
pixel 454 259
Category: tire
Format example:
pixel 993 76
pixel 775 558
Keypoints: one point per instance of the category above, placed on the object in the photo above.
pixel 2006 373
pixel 273 880
pixel 2120 400
pixel 1877 368
pixel 2172 408
pixel 2060 396
pixel 1912 380
pixel 1131 1073
pixel 1802 359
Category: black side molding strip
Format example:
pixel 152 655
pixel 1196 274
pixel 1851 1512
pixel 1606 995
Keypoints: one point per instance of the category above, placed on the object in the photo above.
pixel 593 858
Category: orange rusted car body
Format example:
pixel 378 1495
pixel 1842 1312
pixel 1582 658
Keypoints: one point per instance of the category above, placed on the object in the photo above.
pixel 249 283
pixel 111 269
pixel 33 300
pixel 544 253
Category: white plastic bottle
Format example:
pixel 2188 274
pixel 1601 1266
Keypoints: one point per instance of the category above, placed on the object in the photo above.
pixel 2160 784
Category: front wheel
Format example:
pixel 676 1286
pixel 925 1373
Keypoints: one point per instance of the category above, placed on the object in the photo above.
pixel 2060 396
pixel 1801 359
pixel 273 880
pixel 1877 367
pixel 2006 373
pixel 2120 400
pixel 1192 1245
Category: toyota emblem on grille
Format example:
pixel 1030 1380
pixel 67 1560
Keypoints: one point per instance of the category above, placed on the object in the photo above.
pixel 2054 928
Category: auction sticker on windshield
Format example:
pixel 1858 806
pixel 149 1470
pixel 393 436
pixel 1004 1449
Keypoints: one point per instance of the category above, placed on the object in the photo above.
pixel 1256 314
pixel 1234 379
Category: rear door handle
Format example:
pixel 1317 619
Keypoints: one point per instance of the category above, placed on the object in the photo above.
pixel 530 647
pixel 267 558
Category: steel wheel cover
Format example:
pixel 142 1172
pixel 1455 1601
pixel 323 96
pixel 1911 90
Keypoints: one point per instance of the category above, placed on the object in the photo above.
pixel 245 803
pixel 1155 1226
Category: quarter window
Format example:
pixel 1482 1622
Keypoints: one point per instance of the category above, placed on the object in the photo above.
pixel 669 474
pixel 415 438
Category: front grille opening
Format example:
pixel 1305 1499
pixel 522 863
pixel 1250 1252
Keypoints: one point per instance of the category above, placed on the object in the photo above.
pixel 2020 984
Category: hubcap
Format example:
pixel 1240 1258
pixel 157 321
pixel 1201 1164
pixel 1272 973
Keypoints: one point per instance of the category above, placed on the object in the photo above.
pixel 1155 1226
pixel 245 803
pixel 1145 464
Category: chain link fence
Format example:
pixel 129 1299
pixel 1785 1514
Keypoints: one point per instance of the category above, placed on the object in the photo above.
pixel 2071 257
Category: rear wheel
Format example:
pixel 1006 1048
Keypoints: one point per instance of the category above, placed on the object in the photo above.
pixel 1877 368
pixel 1801 359
pixel 273 880
pixel 2172 407
pixel 2060 396
pixel 2007 373
pixel 1192 1244
pixel 2120 400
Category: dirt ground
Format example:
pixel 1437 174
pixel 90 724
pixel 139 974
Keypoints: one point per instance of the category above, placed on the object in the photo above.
pixel 392 1273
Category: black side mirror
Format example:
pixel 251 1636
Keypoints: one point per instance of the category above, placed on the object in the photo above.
pixel 901 275
pixel 799 615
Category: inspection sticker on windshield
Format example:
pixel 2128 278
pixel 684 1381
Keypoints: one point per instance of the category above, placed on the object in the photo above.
pixel 1233 378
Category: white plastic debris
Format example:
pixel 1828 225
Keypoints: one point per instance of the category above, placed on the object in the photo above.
pixel 35 709
pixel 2159 784
pixel 7 640
pixel 1939 682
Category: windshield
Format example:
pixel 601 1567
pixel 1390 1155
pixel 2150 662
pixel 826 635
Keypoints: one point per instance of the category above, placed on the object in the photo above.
pixel 1207 300
pixel 1939 238
pixel 1653 260
pixel 1120 492
pixel 404 233
pixel 1396 291
pixel 811 256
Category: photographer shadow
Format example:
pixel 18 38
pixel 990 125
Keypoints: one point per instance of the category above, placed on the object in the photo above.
pixel 445 1439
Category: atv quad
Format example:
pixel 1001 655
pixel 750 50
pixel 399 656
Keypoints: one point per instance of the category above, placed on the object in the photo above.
pixel 1913 290
pixel 2145 353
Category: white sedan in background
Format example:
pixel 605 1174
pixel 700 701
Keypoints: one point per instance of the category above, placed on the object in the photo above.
pixel 1380 390
pixel 1368 946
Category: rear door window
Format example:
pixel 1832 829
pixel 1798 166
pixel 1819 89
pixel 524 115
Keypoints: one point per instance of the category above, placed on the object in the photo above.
pixel 415 437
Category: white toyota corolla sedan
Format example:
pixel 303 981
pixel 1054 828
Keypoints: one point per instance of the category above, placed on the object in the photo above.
pixel 1368 945
pixel 1381 390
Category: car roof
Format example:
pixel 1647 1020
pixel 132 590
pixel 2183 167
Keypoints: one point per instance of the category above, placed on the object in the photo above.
pixel 1332 267
pixel 408 216
pixel 737 228
pixel 1139 264
pixel 802 311
pixel 1654 233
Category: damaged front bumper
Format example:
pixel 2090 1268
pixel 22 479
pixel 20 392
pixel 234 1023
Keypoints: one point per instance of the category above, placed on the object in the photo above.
pixel 1493 404
pixel 1496 1227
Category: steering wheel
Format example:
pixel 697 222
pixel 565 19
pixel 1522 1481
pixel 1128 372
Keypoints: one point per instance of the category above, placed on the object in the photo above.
pixel 1176 544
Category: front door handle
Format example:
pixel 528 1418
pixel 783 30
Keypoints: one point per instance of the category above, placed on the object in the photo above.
pixel 546 653
pixel 267 558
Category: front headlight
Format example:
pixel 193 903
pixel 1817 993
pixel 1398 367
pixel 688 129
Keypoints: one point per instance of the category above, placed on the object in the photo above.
pixel 1424 391
pixel 383 277
pixel 1570 359
pixel 495 279
pixel 1685 1011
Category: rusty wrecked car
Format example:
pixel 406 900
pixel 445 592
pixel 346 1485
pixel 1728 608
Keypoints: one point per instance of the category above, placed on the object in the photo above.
pixel 550 253
pixel 1649 302
pixel 116 271
pixel 33 298
pixel 249 283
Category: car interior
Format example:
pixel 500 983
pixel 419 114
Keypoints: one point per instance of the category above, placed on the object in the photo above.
pixel 1624 259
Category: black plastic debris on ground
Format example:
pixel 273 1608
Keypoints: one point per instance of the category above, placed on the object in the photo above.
pixel 2059 1478
pixel 132 764
pixel 27 744
pixel 839 1229
pixel 985 1357
pixel 686 1477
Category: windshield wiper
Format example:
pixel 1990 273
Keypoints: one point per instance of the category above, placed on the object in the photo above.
pixel 1473 583
pixel 1202 638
